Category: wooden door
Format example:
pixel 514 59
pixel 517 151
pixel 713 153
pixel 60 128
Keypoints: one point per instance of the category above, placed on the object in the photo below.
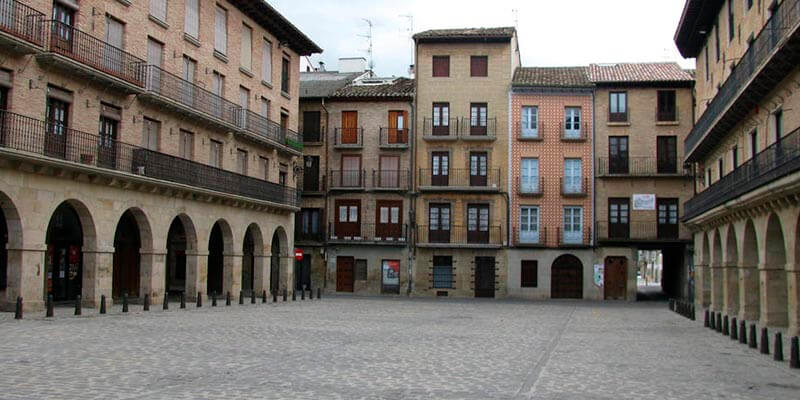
pixel 566 278
pixel 477 123
pixel 311 173
pixel 667 218
pixel 348 219
pixel 113 57
pixel 478 223
pixel 441 119
pixel 311 126
pixel 349 127
pixel 344 274
pixel 615 278
pixel 389 173
pixel 55 144
pixel 478 168
pixel 618 155
pixel 61 29
pixel 388 219
pixel 439 223
pixel 667 149
pixel 398 132
pixel 107 143
pixel 619 218
pixel 440 168
pixel 484 276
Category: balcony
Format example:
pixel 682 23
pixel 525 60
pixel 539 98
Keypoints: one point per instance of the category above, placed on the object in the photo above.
pixel 440 132
pixel 636 231
pixel 80 53
pixel 347 180
pixel 769 59
pixel 369 234
pixel 29 135
pixel 348 138
pixel 309 238
pixel 776 161
pixel 394 139
pixel 530 135
pixel 272 132
pixel 574 239
pixel 472 133
pixel 391 181
pixel 571 188
pixel 459 180
pixel 168 90
pixel 531 188
pixel 21 27
pixel 313 137
pixel 490 237
pixel 530 239
pixel 641 167
pixel 313 186
pixel 574 135
pixel 619 118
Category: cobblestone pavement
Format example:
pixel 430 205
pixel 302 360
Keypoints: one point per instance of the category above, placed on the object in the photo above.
pixel 351 348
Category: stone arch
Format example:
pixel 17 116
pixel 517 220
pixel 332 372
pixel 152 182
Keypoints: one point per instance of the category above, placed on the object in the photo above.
pixel 132 262
pixel 70 234
pixel 717 295
pixel 775 296
pixel 749 288
pixel 181 275
pixel 220 262
pixel 731 262
pixel 566 277
pixel 704 272
pixel 10 255
pixel 253 259
pixel 279 265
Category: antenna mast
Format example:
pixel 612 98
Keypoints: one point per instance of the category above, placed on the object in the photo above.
pixel 410 30
pixel 368 36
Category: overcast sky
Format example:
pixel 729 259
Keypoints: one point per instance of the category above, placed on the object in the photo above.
pixel 551 32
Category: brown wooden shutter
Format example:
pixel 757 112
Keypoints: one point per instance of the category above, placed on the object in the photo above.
pixel 529 272
pixel 441 66
pixel 479 66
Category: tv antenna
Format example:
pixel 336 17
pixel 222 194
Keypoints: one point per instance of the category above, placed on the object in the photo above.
pixel 368 36
pixel 410 31
pixel 515 15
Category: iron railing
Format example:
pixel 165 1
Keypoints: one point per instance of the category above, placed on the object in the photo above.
pixel 574 190
pixel 313 185
pixel 638 166
pixel 636 230
pixel 618 117
pixel 300 236
pixel 441 132
pixel 461 178
pixel 778 160
pixel 22 21
pixel 394 137
pixel 86 49
pixel 566 240
pixel 391 180
pixel 261 126
pixel 467 130
pixel 530 240
pixel 26 134
pixel 311 136
pixel 535 135
pixel 783 21
pixel 461 235
pixel 370 233
pixel 348 138
pixel 572 135
pixel 347 179
pixel 533 189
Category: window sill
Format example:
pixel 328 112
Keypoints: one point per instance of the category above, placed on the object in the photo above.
pixel 191 39
pixel 286 95
pixel 668 123
pixel 619 123
pixel 246 71
pixel 158 22
pixel 125 3
pixel 267 84
pixel 220 56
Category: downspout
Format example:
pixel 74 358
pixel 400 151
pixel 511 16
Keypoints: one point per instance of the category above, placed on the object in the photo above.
pixel 593 227
pixel 508 169
pixel 325 195
pixel 412 221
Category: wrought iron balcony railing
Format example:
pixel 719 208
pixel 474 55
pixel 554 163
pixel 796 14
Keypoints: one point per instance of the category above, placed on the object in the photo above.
pixel 440 131
pixel 618 117
pixel 571 188
pixel 460 179
pixel 776 161
pixel 639 166
pixel 394 138
pixel 460 235
pixel 318 237
pixel 574 239
pixel 313 184
pixel 261 126
pixel 574 135
pixel 22 21
pixel 347 179
pixel 26 134
pixel 530 238
pixel 531 187
pixel 348 138
pixel 745 86
pixel 390 234
pixel 88 50
pixel 636 230
pixel 532 135
pixel 391 180
pixel 470 131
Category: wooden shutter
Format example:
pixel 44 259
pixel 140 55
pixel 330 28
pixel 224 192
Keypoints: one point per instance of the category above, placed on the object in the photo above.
pixel 479 66
pixel 266 66
pixel 158 9
pixel 441 66
pixel 221 30
pixel 529 273
pixel 192 18
pixel 154 52
pixel 247 47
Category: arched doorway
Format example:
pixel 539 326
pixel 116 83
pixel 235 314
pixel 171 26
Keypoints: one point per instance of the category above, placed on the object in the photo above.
pixel 64 261
pixel 181 240
pixel 277 252
pixel 776 291
pixel 731 272
pixel 216 260
pixel 749 291
pixel 566 278
pixel 252 260
pixel 127 269
pixel 3 251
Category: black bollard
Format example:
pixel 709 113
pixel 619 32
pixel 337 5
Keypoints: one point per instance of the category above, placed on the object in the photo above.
pixel 743 332
pixel 718 324
pixel 303 293
pixel 50 306
pixel 764 341
pixel 725 330
pixel 78 305
pixel 310 294
pixel 252 297
pixel 124 302
pixel 18 308
pixel 102 304
pixel 693 312
pixel 794 353
pixel 777 355
pixel 227 298
pixel 294 295
pixel 706 324
pixel 199 299
pixel 165 305
pixel 753 343
pixel 264 297
pixel 241 297
pixel 734 329
pixel 183 300
pixel 214 299
pixel 319 294
pixel 284 295
pixel 146 306
pixel 274 296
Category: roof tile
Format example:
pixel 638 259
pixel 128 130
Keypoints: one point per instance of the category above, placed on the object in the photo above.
pixel 401 87
pixel 638 72
pixel 551 77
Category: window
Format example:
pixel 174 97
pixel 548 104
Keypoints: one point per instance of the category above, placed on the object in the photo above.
pixel 266 62
pixel 189 69
pixel 441 66
pixel 351 171
pixel 389 173
pixel 708 177
pixel 263 167
pixel 360 271
pixel 529 273
pixel 186 145
pixel 478 163
pixel 241 161
pixel 479 66
pixel 441 119
pixel 285 75
pixel 310 220
pixel 753 143
pixel 716 37
pixel 721 167
pixel 150 134
pixel 666 106
pixel 573 225
pixel 618 155
pixel 477 119
pixel 529 175
pixel 667 218
pixel 215 156
pixel 731 22
pixel 572 176
pixel 218 84
pixel 443 272
pixel 221 30
pixel 530 122
pixel 191 19
pixel 155 52
pixel 618 107
pixel 112 58
pixel 282 175
pixel 246 61
pixel 244 97
pixel 348 221
pixel 529 224
pixel 440 168
pixel 389 220
pixel 311 126
pixel 572 123
pixel 777 123
pixel 158 9
pixel 264 107
pixel 439 223
pixel 667 154
pixel 735 156
pixel 478 223
pixel 619 218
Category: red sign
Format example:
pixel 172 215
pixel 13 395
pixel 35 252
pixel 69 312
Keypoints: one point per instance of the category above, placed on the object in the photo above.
pixel 298 254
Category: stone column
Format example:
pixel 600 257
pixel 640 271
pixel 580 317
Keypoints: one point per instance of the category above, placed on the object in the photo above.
pixel 731 288
pixel 152 264
pixel 98 274
pixel 260 274
pixel 26 278
pixel 774 302
pixel 196 274
pixel 232 273
pixel 793 289
pixel 749 297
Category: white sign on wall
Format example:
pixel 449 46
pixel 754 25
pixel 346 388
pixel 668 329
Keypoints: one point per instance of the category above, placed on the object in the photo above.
pixel 644 202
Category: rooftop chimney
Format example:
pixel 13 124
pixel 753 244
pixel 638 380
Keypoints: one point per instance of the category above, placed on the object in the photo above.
pixel 321 66
pixel 352 64
pixel 411 71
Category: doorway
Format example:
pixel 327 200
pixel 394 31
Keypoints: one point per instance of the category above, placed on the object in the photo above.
pixel 248 263
pixel 484 277
pixel 127 243
pixel 344 274
pixel 566 278
pixel 64 266
pixel 216 248
pixel 615 279
pixel 302 273
pixel 176 258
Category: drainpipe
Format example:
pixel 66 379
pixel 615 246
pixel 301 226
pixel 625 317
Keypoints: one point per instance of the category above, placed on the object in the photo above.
pixel 508 169
pixel 412 222
pixel 325 196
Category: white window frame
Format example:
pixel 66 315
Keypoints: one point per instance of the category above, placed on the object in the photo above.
pixel 572 122
pixel 572 175
pixel 530 121
pixel 529 175
pixel 529 224
pixel 571 234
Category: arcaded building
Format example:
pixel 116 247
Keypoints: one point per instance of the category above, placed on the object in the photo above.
pixel 745 149
pixel 147 147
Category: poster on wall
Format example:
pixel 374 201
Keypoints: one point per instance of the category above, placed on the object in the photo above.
pixel 390 276
pixel 644 202
pixel 599 274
